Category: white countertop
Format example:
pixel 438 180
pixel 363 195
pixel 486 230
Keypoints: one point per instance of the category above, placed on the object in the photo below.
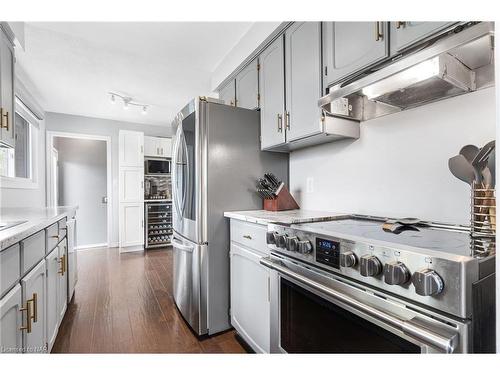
pixel 284 217
pixel 36 220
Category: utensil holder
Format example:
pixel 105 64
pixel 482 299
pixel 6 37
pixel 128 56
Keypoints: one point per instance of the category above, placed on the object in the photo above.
pixel 483 220
pixel 283 201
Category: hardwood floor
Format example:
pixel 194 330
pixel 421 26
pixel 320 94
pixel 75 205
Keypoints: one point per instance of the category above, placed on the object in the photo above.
pixel 123 304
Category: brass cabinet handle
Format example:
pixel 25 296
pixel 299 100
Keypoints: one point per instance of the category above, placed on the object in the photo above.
pixel 378 31
pixel 400 24
pixel 280 123
pixel 34 314
pixel 4 113
pixel 55 236
pixel 29 314
pixel 247 236
pixel 62 262
pixel 287 120
pixel 231 103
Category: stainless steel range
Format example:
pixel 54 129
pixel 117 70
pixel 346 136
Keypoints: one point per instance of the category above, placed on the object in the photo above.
pixel 354 285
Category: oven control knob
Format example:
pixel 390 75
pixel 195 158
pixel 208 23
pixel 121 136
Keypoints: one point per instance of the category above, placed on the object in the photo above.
pixel 348 259
pixel 427 282
pixel 291 243
pixel 370 265
pixel 270 237
pixel 396 273
pixel 304 247
pixel 279 239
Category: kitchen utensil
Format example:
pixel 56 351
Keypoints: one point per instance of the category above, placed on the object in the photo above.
pixel 486 177
pixel 491 167
pixel 469 152
pixel 462 169
pixel 481 159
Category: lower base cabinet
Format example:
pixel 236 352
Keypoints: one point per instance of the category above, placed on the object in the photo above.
pixel 34 320
pixel 62 290
pixel 10 321
pixel 250 297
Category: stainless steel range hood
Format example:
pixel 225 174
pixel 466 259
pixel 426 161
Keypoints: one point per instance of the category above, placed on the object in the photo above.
pixel 454 65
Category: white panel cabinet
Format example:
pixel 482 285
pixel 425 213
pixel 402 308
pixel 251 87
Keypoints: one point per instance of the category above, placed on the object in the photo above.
pixel 131 224
pixel 11 321
pixel 131 149
pixel 53 274
pixel 250 302
pixel 62 288
pixel 35 297
pixel 157 147
pixel 131 184
pixel 6 90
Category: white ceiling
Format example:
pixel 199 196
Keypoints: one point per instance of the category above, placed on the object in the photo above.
pixel 73 65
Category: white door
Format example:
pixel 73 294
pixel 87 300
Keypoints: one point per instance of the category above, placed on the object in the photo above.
pixel 53 269
pixel 62 289
pixel 250 302
pixel 53 183
pixel 131 149
pixel 131 224
pixel 35 292
pixel 131 185
pixel 11 321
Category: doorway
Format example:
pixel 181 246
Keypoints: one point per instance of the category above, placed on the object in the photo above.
pixel 78 174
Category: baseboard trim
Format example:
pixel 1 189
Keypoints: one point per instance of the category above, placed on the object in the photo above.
pixel 91 246
pixel 130 249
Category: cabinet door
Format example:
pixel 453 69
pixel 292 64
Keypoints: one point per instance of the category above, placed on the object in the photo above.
pixel 272 94
pixel 34 290
pixel 349 47
pixel 131 224
pixel 151 147
pixel 228 93
pixel 165 147
pixel 131 187
pixel 62 289
pixel 53 274
pixel 7 90
pixel 11 338
pixel 303 79
pixel 250 298
pixel 404 34
pixel 131 149
pixel 247 86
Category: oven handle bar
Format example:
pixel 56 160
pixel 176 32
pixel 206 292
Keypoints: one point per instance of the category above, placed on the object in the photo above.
pixel 436 340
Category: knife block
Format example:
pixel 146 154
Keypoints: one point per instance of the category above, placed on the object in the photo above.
pixel 283 201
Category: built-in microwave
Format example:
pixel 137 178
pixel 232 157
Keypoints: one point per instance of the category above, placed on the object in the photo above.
pixel 156 166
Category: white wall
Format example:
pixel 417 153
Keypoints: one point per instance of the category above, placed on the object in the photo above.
pixel 87 125
pixel 248 43
pixel 83 183
pixel 399 166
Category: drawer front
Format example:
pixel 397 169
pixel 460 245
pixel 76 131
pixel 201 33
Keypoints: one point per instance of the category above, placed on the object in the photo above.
pixel 10 267
pixel 62 228
pixel 249 234
pixel 53 236
pixel 33 249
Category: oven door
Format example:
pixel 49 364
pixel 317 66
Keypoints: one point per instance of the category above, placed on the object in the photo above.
pixel 315 312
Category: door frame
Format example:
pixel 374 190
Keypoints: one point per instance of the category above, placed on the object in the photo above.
pixel 109 179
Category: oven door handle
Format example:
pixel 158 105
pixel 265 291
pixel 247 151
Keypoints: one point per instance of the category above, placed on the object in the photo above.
pixel 446 344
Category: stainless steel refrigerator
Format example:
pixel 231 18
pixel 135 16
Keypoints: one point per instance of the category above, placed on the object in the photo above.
pixel 216 161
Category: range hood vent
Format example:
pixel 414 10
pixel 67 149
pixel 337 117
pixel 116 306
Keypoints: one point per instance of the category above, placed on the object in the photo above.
pixel 454 65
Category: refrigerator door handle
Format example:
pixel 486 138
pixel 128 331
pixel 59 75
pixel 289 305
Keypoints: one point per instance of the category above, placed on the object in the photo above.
pixel 179 245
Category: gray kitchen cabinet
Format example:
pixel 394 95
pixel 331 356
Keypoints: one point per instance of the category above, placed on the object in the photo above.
pixel 6 91
pixel 53 274
pixel 303 80
pixel 247 86
pixel 35 294
pixel 228 93
pixel 11 321
pixel 406 33
pixel 272 94
pixel 62 290
pixel 349 47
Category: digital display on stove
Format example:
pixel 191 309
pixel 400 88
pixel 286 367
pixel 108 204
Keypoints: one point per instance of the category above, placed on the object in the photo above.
pixel 328 252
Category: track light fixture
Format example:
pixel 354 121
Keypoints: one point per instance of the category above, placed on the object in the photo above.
pixel 128 102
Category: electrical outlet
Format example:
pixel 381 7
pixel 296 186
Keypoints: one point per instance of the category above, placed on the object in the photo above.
pixel 310 185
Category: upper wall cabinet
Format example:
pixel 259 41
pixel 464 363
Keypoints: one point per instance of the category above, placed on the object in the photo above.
pixel 157 147
pixel 228 93
pixel 349 47
pixel 247 86
pixel 6 90
pixel 272 94
pixel 303 80
pixel 404 34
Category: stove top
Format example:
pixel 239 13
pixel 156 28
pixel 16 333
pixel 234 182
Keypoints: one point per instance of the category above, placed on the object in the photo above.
pixel 455 242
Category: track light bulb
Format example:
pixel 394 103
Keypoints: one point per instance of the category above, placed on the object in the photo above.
pixel 144 109
pixel 113 99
